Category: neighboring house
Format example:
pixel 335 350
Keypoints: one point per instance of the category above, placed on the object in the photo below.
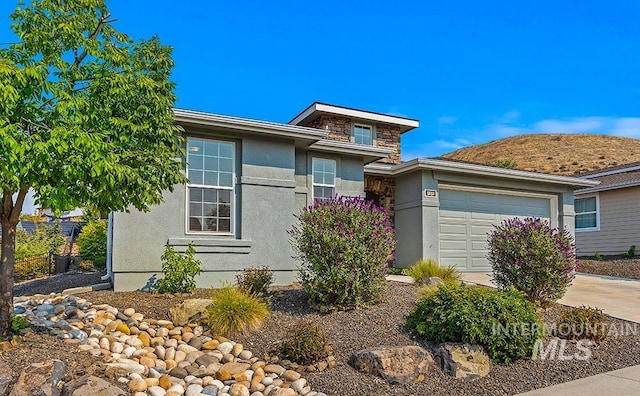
pixel 608 215
pixel 248 178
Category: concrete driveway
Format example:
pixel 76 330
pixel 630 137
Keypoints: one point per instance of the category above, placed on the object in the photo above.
pixel 617 297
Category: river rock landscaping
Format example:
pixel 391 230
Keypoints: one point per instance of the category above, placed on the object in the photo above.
pixel 157 357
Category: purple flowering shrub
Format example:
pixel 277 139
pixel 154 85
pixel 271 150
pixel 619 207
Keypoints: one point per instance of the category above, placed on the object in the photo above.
pixel 533 257
pixel 344 246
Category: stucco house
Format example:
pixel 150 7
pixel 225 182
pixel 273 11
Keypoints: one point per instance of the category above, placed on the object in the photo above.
pixel 608 215
pixel 249 177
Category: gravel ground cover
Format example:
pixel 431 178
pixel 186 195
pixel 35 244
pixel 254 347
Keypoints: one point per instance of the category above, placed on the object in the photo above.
pixel 612 266
pixel 350 331
pixel 57 283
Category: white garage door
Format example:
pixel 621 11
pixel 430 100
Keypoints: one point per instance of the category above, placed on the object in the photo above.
pixel 466 217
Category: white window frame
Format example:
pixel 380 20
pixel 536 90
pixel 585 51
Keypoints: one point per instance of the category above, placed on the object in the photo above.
pixel 597 212
pixel 232 219
pixel 361 125
pixel 313 179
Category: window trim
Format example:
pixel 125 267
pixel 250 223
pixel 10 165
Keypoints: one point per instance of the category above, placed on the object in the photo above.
pixel 597 212
pixel 232 220
pixel 313 179
pixel 363 125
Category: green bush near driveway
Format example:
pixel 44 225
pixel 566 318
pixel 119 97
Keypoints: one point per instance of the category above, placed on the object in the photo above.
pixel 503 322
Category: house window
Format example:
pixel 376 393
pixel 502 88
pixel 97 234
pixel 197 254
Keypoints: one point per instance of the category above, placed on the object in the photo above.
pixel 210 192
pixel 324 179
pixel 363 134
pixel 586 213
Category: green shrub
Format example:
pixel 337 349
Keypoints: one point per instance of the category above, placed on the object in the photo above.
pixel 429 268
pixel 234 312
pixel 44 239
pixel 180 271
pixel 255 281
pixel 533 257
pixel 86 266
pixel 305 343
pixel 631 252
pixel 345 245
pixel 509 164
pixel 582 322
pixel 92 243
pixel 597 256
pixel 395 271
pixel 503 322
pixel 18 323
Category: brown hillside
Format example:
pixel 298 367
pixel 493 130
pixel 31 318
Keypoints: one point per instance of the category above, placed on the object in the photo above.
pixel 562 154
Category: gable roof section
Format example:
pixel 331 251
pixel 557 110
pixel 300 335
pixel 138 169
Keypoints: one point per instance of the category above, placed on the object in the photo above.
pixel 198 118
pixel 623 176
pixel 476 169
pixel 317 109
pixel 310 138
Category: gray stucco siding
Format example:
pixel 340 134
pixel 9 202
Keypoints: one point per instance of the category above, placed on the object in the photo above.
pixel 264 210
pixel 417 217
pixel 349 176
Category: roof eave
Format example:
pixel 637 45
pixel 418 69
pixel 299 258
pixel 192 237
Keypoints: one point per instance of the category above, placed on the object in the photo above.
pixel 483 170
pixel 317 108
pixel 189 117
pixel 368 153
pixel 607 187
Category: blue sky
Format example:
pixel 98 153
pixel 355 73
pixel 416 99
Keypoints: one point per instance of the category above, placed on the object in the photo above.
pixel 470 71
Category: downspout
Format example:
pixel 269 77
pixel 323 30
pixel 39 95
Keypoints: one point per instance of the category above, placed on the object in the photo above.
pixel 109 273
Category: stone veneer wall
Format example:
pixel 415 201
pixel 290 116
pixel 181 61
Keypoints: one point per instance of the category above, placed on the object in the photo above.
pixel 385 188
pixel 340 129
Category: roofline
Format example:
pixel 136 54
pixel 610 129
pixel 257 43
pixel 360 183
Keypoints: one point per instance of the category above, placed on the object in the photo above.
pixel 405 123
pixel 605 172
pixel 370 153
pixel 607 187
pixel 483 170
pixel 250 125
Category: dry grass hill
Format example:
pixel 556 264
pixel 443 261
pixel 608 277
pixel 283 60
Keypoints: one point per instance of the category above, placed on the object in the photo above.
pixel 562 154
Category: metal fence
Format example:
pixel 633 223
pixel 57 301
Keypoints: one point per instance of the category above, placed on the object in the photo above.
pixel 34 267
pixel 43 266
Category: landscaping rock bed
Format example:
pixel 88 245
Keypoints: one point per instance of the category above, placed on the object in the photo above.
pixel 152 356
pixel 612 266
pixel 348 331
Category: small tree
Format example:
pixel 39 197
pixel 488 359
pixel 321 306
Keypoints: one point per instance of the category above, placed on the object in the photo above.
pixel 533 257
pixel 344 245
pixel 85 119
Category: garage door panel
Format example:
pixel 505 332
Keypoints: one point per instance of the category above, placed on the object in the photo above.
pixel 480 263
pixel 454 245
pixel 453 229
pixel 458 262
pixel 467 217
pixel 452 214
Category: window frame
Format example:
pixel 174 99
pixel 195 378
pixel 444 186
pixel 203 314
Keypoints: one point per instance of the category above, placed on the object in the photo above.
pixel 188 185
pixel 363 125
pixel 597 213
pixel 313 179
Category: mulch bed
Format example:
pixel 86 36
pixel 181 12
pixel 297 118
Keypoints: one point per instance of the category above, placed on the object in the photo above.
pixel 350 331
pixel 612 266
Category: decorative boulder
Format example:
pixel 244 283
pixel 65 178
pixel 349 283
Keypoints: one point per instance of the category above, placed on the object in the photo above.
pixel 397 365
pixel 188 311
pixel 90 385
pixel 433 281
pixel 43 378
pixel 463 361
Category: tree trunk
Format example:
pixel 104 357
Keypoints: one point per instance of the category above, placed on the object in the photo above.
pixel 7 261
